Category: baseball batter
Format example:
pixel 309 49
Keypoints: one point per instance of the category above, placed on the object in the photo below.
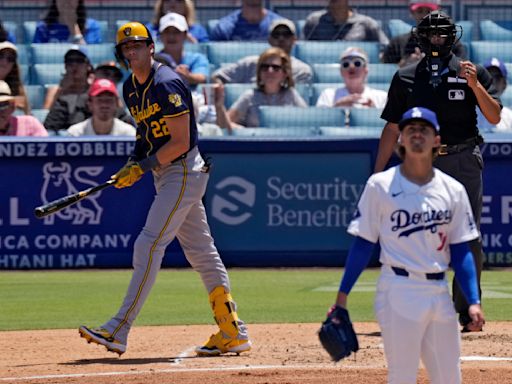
pixel 423 220
pixel 166 145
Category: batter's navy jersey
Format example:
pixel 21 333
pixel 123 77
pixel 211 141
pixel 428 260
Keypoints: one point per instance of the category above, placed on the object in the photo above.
pixel 163 95
pixel 452 100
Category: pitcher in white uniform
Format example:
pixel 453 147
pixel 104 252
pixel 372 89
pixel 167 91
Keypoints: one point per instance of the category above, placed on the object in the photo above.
pixel 423 221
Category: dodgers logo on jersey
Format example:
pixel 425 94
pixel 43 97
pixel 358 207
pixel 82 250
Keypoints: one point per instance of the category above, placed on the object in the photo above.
pixel 175 99
pixel 406 222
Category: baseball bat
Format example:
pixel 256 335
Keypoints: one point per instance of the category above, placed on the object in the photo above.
pixel 56 205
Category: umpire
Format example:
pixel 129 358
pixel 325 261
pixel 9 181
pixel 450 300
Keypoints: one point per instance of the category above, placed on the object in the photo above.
pixel 453 88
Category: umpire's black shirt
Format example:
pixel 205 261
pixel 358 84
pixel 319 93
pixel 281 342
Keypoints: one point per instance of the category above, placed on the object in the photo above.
pixel 453 100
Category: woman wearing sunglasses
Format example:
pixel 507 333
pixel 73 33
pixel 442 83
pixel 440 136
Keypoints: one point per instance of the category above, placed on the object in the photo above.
pixel 354 92
pixel 274 86
pixel 10 73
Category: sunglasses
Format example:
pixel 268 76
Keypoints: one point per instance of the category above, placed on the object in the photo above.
pixel 275 67
pixel 75 60
pixel 9 58
pixel 285 34
pixel 357 63
pixel 5 105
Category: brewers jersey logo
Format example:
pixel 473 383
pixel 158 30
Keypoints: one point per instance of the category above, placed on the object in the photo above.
pixel 175 99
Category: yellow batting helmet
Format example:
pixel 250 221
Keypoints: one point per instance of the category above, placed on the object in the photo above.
pixel 129 32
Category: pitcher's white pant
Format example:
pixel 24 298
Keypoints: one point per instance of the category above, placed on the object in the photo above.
pixel 418 320
pixel 177 211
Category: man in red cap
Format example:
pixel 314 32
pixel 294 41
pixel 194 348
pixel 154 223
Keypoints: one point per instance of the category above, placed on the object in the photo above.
pixel 404 49
pixel 103 103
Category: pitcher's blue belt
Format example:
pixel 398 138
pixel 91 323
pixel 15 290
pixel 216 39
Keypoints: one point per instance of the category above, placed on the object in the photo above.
pixel 429 276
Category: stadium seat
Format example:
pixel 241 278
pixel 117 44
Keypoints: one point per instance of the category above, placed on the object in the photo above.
pixel 366 117
pixel 23 53
pixel 47 73
pixel 467 31
pixel 25 73
pixel 48 53
pixel 490 30
pixel 275 132
pixel 398 27
pixel 36 95
pixel 329 51
pixel 377 73
pixel 288 116
pixel 29 30
pixel 509 72
pixel 482 50
pixel 12 28
pixel 231 51
pixel 40 114
pixel 350 132
pixel 210 25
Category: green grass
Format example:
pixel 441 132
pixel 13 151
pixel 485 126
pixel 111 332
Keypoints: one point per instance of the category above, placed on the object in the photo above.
pixel 67 299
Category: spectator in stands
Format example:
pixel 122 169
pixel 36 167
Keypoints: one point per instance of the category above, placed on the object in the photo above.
pixel 76 78
pixel 274 86
pixel 70 105
pixel 282 35
pixel 193 67
pixel 196 32
pixel 108 70
pixel 66 21
pixel 339 22
pixel 499 74
pixel 355 92
pixel 103 103
pixel 405 49
pixel 10 73
pixel 5 35
pixel 11 125
pixel 250 22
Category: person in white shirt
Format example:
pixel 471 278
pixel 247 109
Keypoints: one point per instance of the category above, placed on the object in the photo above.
pixel 499 74
pixel 103 103
pixel 355 92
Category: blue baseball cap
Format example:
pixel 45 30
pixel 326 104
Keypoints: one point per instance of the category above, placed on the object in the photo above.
pixel 419 113
pixel 495 62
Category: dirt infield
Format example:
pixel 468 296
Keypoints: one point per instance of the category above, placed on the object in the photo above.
pixel 282 353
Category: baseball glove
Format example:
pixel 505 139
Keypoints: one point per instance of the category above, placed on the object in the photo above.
pixel 337 334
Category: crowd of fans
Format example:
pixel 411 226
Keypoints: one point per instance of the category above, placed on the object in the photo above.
pixel 74 105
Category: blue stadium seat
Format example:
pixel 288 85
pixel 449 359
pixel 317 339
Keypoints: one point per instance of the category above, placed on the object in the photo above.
pixel 490 30
pixel 23 53
pixel 12 28
pixel 329 51
pixel 509 72
pixel 467 31
pixel 366 117
pixel 40 114
pixel 104 30
pixel 398 27
pixel 275 132
pixel 36 95
pixel 350 132
pixel 210 25
pixel 377 73
pixel 29 30
pixel 25 73
pixel 231 51
pixel 48 53
pixel 47 73
pixel 288 116
pixel 482 50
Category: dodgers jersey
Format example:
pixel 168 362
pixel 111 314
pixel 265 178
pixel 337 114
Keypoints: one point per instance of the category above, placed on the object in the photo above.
pixel 415 224
pixel 163 94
